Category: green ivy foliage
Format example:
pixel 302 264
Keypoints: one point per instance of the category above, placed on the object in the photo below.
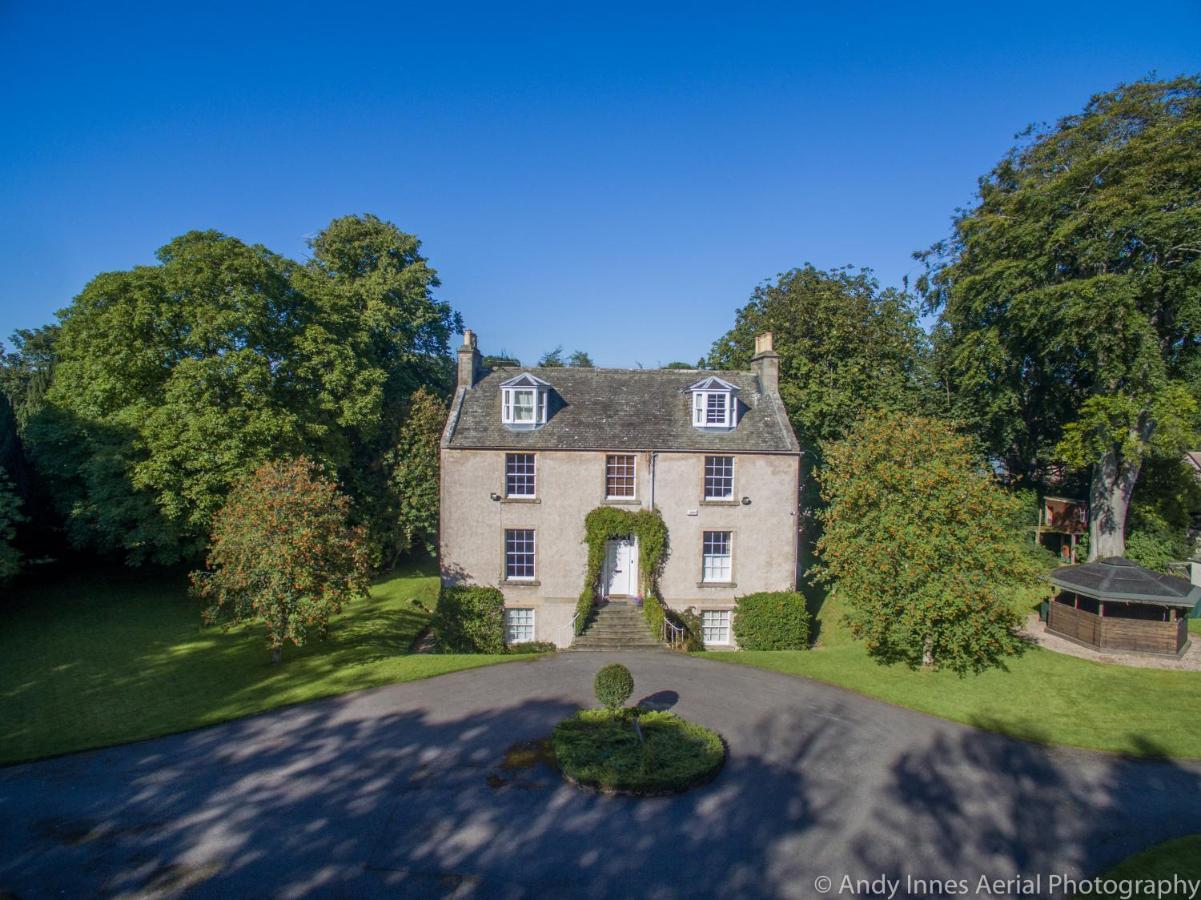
pixel 470 619
pixel 772 620
pixel 606 523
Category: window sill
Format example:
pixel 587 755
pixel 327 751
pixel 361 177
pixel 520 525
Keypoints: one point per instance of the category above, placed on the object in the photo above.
pixel 717 584
pixel 520 499
pixel 721 503
pixel 521 582
pixel 621 501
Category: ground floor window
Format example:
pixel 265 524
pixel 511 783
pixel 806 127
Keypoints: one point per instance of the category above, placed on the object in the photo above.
pixel 715 626
pixel 519 625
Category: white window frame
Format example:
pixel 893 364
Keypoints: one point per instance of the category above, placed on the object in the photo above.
pixel 713 570
pixel 523 385
pixel 633 495
pixel 721 631
pixel 532 475
pixel 533 554
pixel 511 626
pixel 700 409
pixel 730 495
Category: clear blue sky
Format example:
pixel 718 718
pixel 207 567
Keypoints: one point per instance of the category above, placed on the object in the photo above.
pixel 600 177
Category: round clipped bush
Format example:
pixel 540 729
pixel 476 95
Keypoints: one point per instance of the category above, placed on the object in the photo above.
pixel 613 686
pixel 772 620
pixel 661 754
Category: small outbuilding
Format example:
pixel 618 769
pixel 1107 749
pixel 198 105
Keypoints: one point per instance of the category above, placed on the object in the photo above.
pixel 1116 604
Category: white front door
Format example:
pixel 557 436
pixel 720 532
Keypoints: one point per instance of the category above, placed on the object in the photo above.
pixel 621 568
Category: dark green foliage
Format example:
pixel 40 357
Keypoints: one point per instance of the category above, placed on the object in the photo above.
pixel 597 750
pixel 845 347
pixel 919 545
pixel 680 365
pixel 500 360
pixel 413 486
pixel 552 359
pixel 533 647
pixel 1070 324
pixel 580 360
pixel 171 382
pixel 613 686
pixel 772 620
pixel 691 622
pixel 10 517
pixel 1155 547
pixel 26 370
pixel 470 619
pixel 606 523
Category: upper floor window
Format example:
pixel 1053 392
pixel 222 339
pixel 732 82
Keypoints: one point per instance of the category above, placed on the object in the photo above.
pixel 523 401
pixel 520 476
pixel 714 403
pixel 619 477
pixel 719 478
pixel 519 554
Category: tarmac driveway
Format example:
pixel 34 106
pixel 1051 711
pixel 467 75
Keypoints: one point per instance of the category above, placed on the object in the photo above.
pixel 401 790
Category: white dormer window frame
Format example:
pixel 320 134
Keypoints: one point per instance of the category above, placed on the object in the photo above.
pixel 714 404
pixel 523 401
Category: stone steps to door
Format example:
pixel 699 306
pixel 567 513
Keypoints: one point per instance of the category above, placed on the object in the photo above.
pixel 617 625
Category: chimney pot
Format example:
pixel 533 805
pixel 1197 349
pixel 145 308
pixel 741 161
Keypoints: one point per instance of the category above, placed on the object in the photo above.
pixel 766 363
pixel 469 360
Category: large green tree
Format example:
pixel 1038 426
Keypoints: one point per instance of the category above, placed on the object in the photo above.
pixel 413 482
pixel 173 381
pixel 283 554
pixel 845 346
pixel 921 546
pixel 1070 297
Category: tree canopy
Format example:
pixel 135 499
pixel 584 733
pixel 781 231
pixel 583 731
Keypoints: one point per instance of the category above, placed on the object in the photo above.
pixel 1070 296
pixel 921 545
pixel 845 346
pixel 283 554
pixel 173 381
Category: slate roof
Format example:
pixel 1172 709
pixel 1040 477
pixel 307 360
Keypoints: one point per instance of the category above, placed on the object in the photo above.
pixel 1117 578
pixel 619 409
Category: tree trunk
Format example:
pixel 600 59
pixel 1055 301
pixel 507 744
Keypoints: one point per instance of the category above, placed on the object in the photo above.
pixel 277 654
pixel 1108 503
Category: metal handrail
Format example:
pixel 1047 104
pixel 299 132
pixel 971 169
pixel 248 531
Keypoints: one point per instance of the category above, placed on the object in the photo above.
pixel 672 634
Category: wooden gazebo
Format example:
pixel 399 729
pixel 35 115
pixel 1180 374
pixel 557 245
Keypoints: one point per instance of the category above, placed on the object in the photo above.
pixel 1115 604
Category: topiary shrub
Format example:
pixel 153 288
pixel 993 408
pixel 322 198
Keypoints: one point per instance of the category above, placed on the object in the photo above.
pixel 613 686
pixel 772 620
pixel 469 619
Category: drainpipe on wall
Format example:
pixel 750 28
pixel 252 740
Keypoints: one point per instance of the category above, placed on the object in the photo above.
pixel 654 456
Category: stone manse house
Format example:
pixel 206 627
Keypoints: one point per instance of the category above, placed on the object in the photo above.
pixel 527 453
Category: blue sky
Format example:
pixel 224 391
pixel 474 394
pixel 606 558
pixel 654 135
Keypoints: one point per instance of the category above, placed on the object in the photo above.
pixel 615 178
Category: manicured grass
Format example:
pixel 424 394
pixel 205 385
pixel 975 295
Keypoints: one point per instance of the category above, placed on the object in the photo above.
pixel 1180 858
pixel 105 659
pixel 1044 696
pixel 596 749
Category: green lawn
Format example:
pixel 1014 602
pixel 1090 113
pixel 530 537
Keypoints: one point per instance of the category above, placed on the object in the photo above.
pixel 1044 696
pixel 1180 858
pixel 105 659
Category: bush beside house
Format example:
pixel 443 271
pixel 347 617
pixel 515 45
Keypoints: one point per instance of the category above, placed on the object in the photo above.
pixel 772 620
pixel 470 619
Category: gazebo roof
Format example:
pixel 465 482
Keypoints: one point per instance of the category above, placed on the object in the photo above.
pixel 1117 578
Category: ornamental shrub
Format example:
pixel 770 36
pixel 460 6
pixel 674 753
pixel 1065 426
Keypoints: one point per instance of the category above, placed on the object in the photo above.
pixel 469 619
pixel 772 620
pixel 613 686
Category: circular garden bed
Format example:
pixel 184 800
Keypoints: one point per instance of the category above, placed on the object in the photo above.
pixel 636 752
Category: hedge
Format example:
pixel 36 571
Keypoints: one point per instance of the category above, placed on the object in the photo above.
pixel 772 620
pixel 469 619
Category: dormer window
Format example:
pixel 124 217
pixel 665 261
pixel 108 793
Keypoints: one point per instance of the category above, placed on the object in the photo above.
pixel 523 401
pixel 714 404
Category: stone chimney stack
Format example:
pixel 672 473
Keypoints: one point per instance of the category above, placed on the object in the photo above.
pixel 469 360
pixel 766 364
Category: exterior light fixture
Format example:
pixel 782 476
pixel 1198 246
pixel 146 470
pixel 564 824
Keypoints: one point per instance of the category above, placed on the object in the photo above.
pixel 495 497
pixel 746 501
